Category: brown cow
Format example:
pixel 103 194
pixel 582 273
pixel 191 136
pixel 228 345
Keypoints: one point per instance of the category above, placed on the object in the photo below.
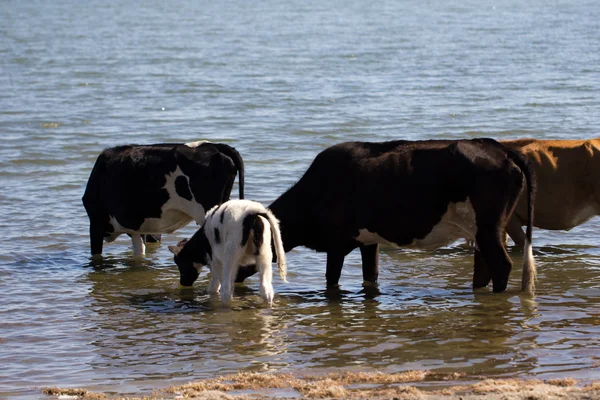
pixel 568 184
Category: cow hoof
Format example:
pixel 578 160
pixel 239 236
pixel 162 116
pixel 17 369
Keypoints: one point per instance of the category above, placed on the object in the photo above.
pixel 479 285
pixel 499 287
pixel 370 284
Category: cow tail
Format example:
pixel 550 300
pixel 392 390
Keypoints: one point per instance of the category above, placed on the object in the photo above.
pixel 237 161
pixel 278 244
pixel 529 271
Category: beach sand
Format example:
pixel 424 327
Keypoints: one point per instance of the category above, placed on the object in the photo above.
pixel 411 385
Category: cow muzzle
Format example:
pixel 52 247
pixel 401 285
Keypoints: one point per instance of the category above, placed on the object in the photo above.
pixel 188 279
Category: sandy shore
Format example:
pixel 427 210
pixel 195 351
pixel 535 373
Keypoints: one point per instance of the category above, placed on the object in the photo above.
pixel 412 385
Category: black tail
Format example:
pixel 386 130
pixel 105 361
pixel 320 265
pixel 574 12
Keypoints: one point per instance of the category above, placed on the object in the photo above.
pixel 253 223
pixel 237 160
pixel 529 270
pixel 525 165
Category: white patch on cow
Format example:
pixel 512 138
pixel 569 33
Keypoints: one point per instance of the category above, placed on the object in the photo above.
pixel 139 247
pixel 175 213
pixel 367 237
pixel 196 144
pixel 458 222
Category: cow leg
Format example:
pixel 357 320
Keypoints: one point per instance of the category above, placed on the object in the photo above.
pixel 370 263
pixel 229 270
pixel 263 264
pixel 481 275
pixel 139 248
pixel 96 237
pixel 490 242
pixel 244 272
pixel 335 262
pixel 494 204
pixel 215 278
pixel 152 238
pixel 515 231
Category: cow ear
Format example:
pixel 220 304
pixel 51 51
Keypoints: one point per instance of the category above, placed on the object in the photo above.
pixel 175 249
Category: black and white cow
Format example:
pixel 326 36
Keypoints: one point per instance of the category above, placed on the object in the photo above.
pixel 424 194
pixel 235 233
pixel 158 188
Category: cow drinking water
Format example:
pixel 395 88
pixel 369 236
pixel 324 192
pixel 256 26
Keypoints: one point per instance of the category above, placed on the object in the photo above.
pixel 235 233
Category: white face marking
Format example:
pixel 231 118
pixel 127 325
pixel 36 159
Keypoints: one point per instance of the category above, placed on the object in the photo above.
pixel 196 144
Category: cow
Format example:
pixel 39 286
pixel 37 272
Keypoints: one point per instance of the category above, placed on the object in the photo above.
pixel 234 233
pixel 568 184
pixel 157 188
pixel 409 193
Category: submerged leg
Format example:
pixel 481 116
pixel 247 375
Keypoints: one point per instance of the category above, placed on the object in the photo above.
pixel 96 237
pixel 496 258
pixel 370 263
pixel 335 262
pixel 228 274
pixel 494 203
pixel 515 231
pixel 215 278
pixel 266 278
pixel 481 275
pixel 152 238
pixel 245 271
pixel 139 248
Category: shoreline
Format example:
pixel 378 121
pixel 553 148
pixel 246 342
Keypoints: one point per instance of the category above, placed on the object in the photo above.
pixel 349 386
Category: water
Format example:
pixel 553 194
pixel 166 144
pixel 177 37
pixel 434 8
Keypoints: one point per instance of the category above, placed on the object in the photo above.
pixel 280 81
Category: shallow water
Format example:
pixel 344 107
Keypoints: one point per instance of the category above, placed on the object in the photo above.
pixel 280 81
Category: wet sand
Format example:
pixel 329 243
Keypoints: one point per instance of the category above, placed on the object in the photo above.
pixel 413 385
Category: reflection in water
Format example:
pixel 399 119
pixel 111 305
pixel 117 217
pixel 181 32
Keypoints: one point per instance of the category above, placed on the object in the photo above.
pixel 136 326
pixel 422 315
pixel 142 319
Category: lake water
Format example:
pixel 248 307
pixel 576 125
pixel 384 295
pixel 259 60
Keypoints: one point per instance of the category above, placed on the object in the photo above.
pixel 280 81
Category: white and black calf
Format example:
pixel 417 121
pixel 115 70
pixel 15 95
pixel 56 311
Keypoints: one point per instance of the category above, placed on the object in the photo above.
pixel 158 188
pixel 424 194
pixel 235 233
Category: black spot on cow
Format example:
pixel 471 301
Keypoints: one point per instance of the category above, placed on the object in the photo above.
pixel 246 227
pixel 258 229
pixel 217 236
pixel 182 188
pixel 222 214
pixel 255 225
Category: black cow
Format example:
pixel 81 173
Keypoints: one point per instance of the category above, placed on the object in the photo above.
pixel 157 188
pixel 424 194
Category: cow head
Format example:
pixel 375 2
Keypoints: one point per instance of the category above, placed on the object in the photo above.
pixel 190 256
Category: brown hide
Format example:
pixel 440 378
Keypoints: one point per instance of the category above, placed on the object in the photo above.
pixel 568 184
